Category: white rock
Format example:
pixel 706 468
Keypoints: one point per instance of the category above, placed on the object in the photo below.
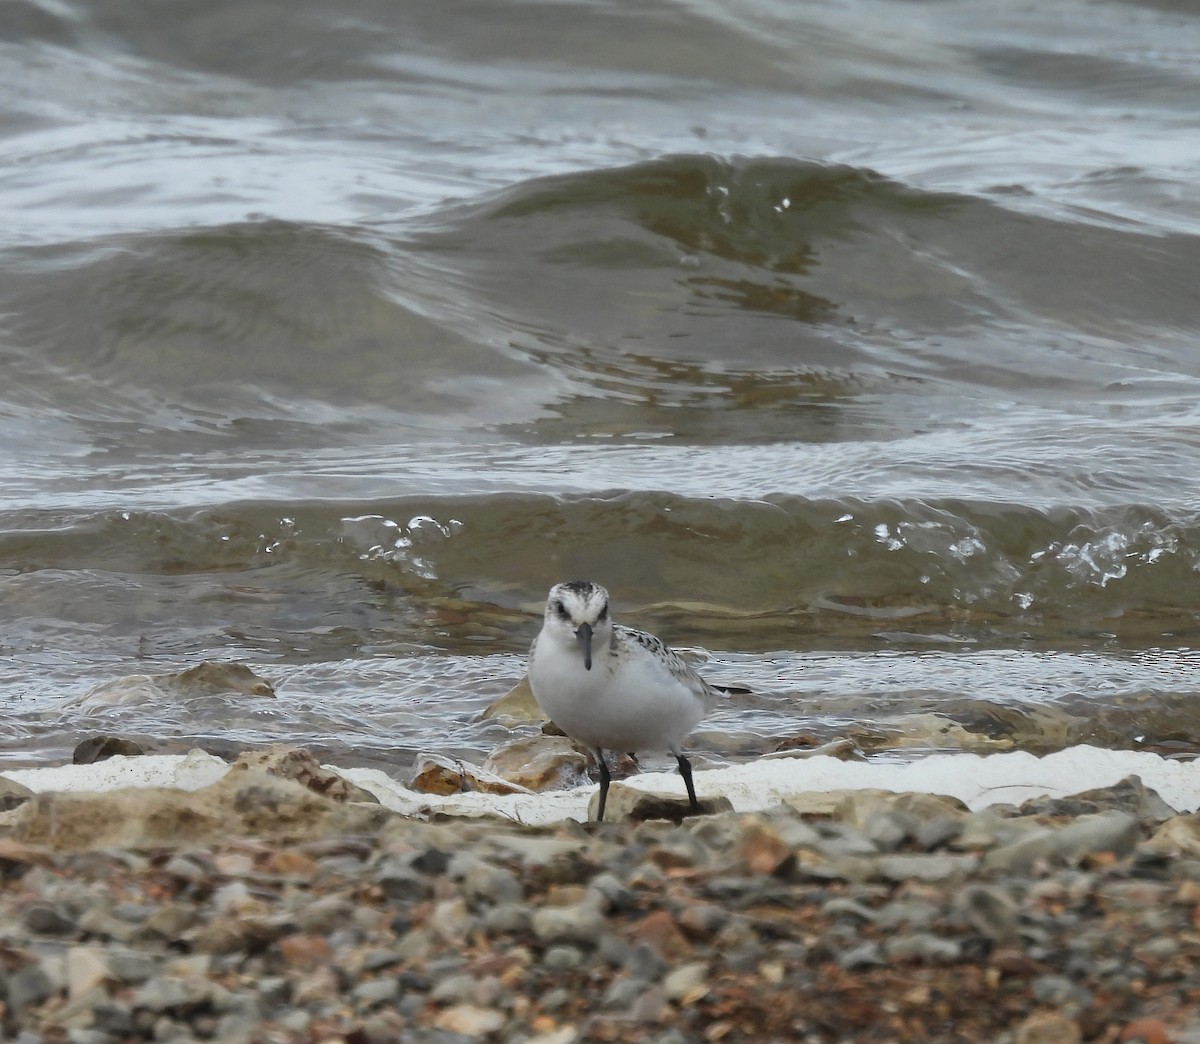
pixel 192 771
pixel 86 969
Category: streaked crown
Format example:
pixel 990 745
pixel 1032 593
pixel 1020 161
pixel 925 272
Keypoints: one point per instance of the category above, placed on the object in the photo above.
pixel 577 602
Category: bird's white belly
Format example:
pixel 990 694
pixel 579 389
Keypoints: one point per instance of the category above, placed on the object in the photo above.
pixel 623 710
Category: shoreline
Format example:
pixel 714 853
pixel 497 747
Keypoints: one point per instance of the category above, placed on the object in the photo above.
pixel 978 780
pixel 256 909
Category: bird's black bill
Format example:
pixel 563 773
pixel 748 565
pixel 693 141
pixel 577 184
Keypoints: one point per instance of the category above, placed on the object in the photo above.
pixel 584 634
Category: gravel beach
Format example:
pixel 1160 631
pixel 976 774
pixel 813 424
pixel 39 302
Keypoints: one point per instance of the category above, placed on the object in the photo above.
pixel 257 910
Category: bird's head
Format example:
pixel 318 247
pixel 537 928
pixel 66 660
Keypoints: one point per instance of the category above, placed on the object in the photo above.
pixel 578 610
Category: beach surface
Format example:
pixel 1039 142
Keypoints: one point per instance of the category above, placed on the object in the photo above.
pixel 998 898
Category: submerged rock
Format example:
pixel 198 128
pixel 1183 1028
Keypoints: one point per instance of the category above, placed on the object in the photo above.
pixel 207 678
pixel 101 748
pixel 517 705
pixel 540 763
pixel 842 749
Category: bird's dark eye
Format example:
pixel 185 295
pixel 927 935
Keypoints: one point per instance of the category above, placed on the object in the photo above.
pixel 562 610
pixel 603 613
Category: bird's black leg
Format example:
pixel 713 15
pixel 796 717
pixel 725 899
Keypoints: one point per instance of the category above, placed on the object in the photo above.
pixel 604 781
pixel 685 770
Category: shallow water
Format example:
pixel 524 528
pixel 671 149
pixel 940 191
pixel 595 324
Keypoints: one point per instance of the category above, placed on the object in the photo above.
pixel 853 348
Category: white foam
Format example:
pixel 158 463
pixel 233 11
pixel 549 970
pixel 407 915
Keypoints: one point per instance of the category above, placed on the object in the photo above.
pixel 978 780
pixel 189 771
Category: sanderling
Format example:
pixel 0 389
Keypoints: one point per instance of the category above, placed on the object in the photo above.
pixel 610 687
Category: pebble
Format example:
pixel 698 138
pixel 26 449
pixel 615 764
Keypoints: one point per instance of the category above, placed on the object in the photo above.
pixel 860 914
pixel 924 867
pixel 47 919
pixel 685 981
pixel 865 955
pixel 581 924
pixel 922 946
pixel 470 1020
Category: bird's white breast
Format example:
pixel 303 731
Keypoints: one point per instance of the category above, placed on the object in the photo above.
pixel 630 700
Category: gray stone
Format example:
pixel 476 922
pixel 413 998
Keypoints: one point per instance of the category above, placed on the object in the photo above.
pixel 538 851
pixel 888 829
pixel 866 955
pixel 644 963
pixel 922 946
pixel 703 919
pixel 400 880
pixel 990 910
pixel 1115 832
pixel 823 867
pixel 414 945
pixel 113 1016
pixel 556 998
pixel 169 921
pixel 165 994
pixel 843 906
pixel 938 832
pixel 492 884
pixel 167 1029
pixel 648 1007
pixel 1130 795
pixel 47 919
pixel 614 893
pixel 376 991
pixel 190 867
pixel 131 966
pixel 562 958
pixel 236 1029
pixel 905 911
pixel 581 923
pixel 86 968
pixel 134 913
pixel 454 989
pixel 842 839
pixel 930 867
pixel 230 896
pixel 686 979
pixel 83 1035
pixel 28 986
pixel 1162 948
pixel 1057 990
pixel 432 861
pixel 451 921
pixel 511 918
pixel 622 993
pixel 613 949
pixel 323 914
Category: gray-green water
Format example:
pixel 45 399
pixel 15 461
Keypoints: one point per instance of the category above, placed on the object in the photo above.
pixel 853 346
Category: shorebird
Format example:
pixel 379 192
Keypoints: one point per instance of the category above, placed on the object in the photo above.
pixel 611 687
